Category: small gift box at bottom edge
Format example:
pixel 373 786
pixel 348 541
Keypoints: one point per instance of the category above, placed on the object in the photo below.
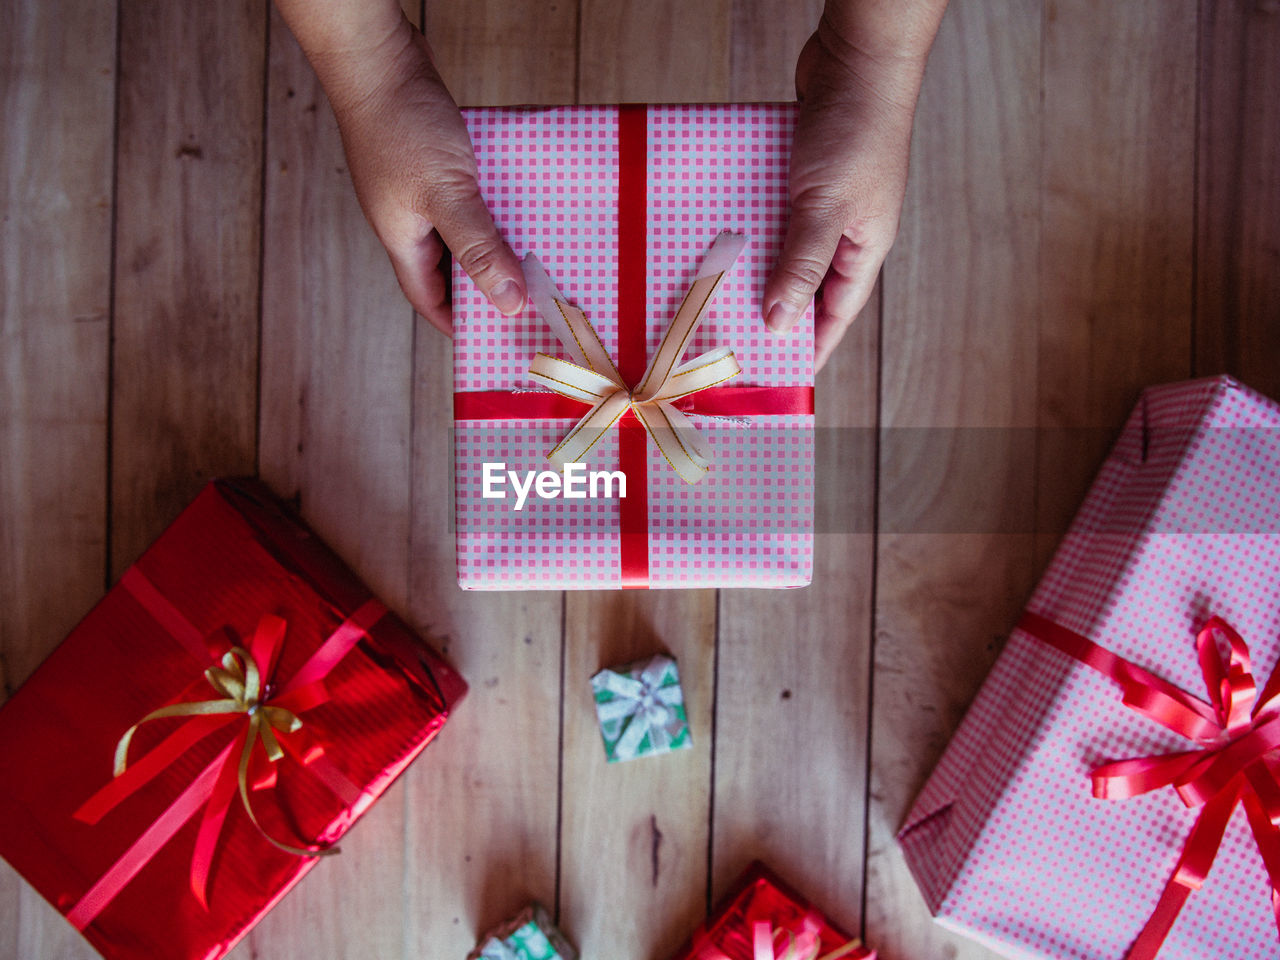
pixel 640 706
pixel 529 935
pixel 762 905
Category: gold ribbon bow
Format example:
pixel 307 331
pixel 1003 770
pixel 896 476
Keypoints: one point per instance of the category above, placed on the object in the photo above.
pixel 239 681
pixel 592 377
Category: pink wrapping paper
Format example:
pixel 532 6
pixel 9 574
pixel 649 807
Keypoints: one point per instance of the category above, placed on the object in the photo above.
pixel 1006 841
pixel 551 177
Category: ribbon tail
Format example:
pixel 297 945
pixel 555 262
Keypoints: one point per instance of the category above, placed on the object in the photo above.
pixel 146 846
pixel 1129 778
pixel 1267 837
pixel 1157 928
pixel 724 251
pixel 677 440
pixel 632 737
pixel 215 815
pixel 762 941
pixel 151 765
pixel 1193 866
pixel 567 322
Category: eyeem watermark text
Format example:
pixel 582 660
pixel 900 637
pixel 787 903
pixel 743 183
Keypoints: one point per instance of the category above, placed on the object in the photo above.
pixel 575 483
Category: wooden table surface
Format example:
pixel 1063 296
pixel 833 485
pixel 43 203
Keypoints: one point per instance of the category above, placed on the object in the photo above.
pixel 189 290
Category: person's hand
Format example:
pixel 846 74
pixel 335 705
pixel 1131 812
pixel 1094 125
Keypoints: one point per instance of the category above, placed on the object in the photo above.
pixel 848 177
pixel 414 169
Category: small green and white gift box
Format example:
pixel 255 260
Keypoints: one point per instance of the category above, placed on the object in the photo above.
pixel 641 709
pixel 529 935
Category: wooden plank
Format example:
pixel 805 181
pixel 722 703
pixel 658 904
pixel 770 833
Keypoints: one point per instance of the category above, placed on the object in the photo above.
pixel 958 381
pixel 55 284
pixel 787 789
pixel 774 721
pixel 494 52
pixel 482 834
pixel 185 361
pixel 335 433
pixel 1237 294
pixel 57 99
pixel 765 43
pixel 1118 208
pixel 654 51
pixel 794 672
pixel 639 830
pixel 634 835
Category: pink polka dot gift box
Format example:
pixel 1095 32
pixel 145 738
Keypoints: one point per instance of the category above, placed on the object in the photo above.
pixel 1114 791
pixel 635 426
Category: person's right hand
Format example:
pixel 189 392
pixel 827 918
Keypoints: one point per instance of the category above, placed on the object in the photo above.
pixel 413 168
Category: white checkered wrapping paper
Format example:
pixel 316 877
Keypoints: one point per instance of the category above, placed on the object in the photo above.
pixel 1006 841
pixel 551 179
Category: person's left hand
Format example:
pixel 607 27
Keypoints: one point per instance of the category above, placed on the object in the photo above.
pixel 848 177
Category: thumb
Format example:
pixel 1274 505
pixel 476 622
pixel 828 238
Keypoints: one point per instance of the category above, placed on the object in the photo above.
pixel 812 235
pixel 467 229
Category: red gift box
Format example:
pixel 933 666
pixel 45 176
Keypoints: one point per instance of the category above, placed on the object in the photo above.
pixel 127 857
pixel 761 900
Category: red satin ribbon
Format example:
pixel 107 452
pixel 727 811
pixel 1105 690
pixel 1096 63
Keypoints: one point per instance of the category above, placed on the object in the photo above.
pixel 801 941
pixel 1237 732
pixel 633 176
pixel 214 788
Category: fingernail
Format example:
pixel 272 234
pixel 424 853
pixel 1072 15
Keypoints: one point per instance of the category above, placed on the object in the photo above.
pixel 507 297
pixel 782 317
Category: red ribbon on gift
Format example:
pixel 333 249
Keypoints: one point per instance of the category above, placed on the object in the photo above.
pixel 772 940
pixel 1238 733
pixel 632 359
pixel 214 788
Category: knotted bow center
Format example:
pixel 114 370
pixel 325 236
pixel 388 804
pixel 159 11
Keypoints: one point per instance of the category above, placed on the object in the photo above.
pixel 591 376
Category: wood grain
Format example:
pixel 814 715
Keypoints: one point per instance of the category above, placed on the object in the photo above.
pixel 793 672
pixel 1237 292
pixel 1118 209
pixel 1093 208
pixel 654 51
pixel 791 732
pixel 634 834
pixel 57 98
pixel 484 802
pixel 957 400
pixel 765 43
pixel 335 435
pixel 185 361
pixel 494 52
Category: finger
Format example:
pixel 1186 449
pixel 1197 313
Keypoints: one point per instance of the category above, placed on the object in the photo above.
pixel 419 270
pixel 468 230
pixel 811 241
pixel 845 292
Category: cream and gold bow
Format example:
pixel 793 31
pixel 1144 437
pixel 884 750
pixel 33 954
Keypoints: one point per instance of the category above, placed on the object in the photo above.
pixel 590 376
pixel 239 681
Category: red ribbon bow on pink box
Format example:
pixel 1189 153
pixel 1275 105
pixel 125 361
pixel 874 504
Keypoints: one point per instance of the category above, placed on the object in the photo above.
pixel 1238 733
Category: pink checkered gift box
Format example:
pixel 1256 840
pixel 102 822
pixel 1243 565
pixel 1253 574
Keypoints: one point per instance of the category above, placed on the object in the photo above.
pixel 1118 659
pixel 621 206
